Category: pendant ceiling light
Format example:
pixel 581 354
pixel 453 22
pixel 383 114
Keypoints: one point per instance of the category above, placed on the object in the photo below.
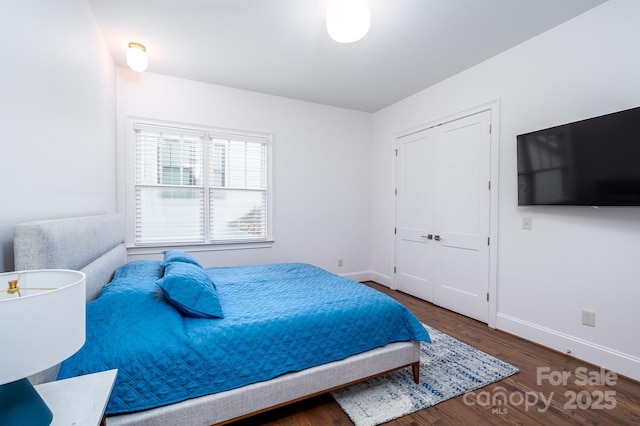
pixel 348 20
pixel 137 57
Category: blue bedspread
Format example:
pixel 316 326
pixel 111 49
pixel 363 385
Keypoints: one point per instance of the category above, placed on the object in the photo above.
pixel 278 318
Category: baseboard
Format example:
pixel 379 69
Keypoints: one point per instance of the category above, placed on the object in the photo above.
pixel 369 276
pixel 611 359
pixel 380 278
pixel 358 276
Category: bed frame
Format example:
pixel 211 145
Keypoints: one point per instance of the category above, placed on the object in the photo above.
pixel 95 245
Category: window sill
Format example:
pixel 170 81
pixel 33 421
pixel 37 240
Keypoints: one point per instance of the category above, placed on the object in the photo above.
pixel 158 249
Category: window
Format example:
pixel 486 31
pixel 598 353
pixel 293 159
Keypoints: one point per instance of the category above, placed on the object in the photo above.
pixel 198 186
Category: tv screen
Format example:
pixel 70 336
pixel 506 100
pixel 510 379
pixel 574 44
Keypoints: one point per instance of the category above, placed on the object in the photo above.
pixel 594 162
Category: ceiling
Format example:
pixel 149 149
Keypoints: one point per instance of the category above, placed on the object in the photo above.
pixel 281 47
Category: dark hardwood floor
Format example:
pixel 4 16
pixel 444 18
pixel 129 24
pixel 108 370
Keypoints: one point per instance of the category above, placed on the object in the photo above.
pixel 529 402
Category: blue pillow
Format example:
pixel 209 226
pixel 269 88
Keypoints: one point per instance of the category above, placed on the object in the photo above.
pixel 171 256
pixel 190 290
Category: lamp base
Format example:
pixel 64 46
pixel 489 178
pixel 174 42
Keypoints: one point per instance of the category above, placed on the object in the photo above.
pixel 21 405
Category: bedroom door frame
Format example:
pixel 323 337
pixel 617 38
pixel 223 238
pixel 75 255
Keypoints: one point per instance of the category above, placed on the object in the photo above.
pixel 494 108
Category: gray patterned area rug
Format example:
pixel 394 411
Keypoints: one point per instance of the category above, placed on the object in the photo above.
pixel 448 368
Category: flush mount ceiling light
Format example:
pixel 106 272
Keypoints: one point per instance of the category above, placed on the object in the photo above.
pixel 137 57
pixel 348 20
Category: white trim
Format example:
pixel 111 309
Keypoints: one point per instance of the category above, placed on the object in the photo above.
pixel 391 277
pixel 191 248
pixel 494 108
pixel 359 276
pixel 620 362
pixel 370 275
pixel 191 126
pixel 385 280
pixel 494 211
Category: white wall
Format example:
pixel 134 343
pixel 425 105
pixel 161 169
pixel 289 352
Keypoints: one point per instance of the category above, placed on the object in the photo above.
pixel 573 258
pixel 58 116
pixel 321 174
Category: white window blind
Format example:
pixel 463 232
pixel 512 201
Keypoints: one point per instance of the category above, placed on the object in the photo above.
pixel 199 187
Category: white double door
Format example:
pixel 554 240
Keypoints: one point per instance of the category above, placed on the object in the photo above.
pixel 442 214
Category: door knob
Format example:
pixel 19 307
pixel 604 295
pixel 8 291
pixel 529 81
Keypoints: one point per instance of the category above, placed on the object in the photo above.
pixel 437 238
pixel 428 237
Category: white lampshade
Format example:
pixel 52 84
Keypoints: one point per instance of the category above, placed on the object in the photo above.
pixel 137 57
pixel 348 20
pixel 41 328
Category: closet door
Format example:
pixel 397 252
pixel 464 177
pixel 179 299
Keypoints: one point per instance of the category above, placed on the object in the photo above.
pixel 415 195
pixel 442 215
pixel 461 256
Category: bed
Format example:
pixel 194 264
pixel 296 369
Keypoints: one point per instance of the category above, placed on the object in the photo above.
pixel 95 245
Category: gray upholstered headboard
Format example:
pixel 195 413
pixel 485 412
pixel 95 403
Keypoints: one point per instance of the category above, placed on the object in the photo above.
pixel 91 244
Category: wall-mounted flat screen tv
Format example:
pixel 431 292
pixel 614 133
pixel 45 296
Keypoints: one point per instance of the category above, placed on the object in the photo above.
pixel 593 162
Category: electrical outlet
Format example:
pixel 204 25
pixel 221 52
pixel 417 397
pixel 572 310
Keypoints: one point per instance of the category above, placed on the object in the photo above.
pixel 526 222
pixel 589 318
pixel 339 262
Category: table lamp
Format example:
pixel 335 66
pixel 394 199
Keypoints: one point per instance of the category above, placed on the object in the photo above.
pixel 42 323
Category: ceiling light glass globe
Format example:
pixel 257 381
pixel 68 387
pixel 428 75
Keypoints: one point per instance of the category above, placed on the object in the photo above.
pixel 348 20
pixel 137 57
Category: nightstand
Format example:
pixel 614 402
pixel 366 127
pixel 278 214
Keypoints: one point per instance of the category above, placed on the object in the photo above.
pixel 79 400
